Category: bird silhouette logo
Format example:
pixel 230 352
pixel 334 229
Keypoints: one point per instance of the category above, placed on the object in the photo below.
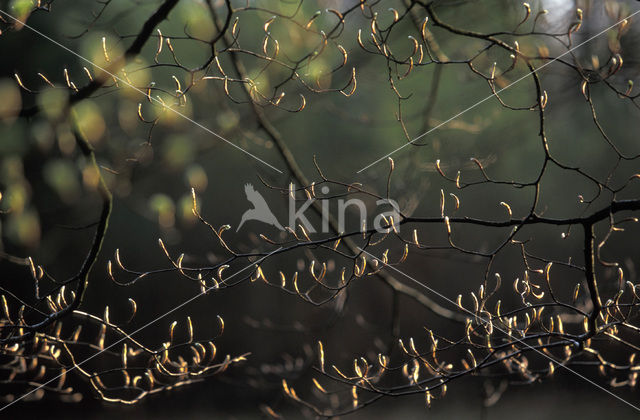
pixel 260 211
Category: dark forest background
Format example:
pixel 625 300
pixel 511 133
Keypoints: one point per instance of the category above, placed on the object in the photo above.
pixel 50 205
